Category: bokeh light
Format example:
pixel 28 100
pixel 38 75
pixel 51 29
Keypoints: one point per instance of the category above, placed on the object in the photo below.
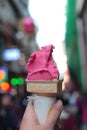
pixel 2 74
pixel 17 81
pixel 5 86
pixel 14 81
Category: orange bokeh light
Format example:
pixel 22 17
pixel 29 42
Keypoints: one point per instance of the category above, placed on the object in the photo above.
pixel 5 86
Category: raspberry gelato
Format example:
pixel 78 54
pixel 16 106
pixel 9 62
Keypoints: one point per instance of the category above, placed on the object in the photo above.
pixel 41 65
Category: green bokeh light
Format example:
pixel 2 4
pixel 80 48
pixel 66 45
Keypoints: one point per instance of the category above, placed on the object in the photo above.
pixel 20 81
pixel 14 81
pixel 17 81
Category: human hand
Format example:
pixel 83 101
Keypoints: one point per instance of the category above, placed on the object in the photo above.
pixel 30 121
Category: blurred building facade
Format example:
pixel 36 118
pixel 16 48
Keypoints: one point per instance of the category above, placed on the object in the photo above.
pixel 76 42
pixel 17 31
pixel 82 38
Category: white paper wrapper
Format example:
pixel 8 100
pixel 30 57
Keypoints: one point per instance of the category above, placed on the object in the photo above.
pixel 43 106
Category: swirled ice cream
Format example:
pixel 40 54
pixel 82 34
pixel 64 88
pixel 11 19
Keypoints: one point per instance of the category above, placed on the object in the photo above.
pixel 42 80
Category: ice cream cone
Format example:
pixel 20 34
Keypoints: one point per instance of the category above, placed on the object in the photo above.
pixel 44 87
pixel 45 96
pixel 43 81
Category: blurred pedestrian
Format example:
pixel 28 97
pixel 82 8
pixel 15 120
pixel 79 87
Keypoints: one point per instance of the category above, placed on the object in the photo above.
pixel 9 119
pixel 84 111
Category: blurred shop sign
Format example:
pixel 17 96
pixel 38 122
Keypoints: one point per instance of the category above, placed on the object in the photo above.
pixel 11 54
pixel 3 74
pixel 27 25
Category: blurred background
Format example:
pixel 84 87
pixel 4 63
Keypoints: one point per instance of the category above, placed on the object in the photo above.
pixel 26 26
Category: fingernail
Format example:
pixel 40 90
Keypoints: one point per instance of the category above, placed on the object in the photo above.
pixel 59 104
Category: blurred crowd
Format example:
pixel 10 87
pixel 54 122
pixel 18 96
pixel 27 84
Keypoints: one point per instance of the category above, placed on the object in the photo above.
pixel 74 115
pixel 11 111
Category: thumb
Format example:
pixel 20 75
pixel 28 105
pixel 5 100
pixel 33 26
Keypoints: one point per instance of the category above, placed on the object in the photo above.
pixel 54 115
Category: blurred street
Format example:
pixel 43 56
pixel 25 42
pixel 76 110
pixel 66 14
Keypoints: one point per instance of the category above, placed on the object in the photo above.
pixel 18 33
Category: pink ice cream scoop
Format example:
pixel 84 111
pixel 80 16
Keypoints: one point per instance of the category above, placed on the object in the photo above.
pixel 41 65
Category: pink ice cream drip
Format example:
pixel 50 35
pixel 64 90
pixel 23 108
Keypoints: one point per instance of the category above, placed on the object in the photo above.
pixel 41 65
